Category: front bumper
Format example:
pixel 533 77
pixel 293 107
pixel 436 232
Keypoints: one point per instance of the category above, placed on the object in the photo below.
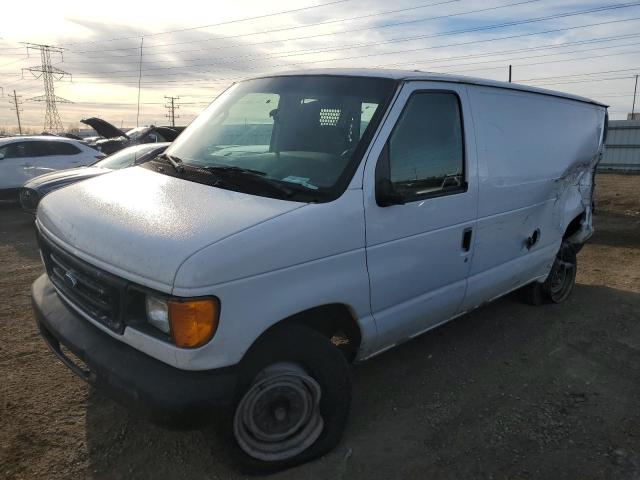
pixel 173 397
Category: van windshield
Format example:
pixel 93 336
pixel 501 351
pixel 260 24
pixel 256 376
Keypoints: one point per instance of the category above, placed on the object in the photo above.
pixel 303 134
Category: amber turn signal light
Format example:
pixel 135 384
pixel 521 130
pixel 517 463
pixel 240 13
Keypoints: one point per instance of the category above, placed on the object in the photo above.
pixel 193 322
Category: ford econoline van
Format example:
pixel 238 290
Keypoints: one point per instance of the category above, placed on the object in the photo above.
pixel 305 221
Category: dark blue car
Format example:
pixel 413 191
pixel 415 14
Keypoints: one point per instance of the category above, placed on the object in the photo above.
pixel 35 189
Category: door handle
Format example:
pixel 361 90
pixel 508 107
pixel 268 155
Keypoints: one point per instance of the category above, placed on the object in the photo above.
pixel 466 239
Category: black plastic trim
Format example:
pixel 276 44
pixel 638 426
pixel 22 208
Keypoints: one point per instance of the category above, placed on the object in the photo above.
pixel 168 395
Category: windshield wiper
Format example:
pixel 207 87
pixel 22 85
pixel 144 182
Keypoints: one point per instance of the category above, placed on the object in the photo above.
pixel 233 174
pixel 175 162
pixel 232 169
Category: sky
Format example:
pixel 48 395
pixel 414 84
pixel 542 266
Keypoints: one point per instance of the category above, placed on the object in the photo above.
pixel 196 49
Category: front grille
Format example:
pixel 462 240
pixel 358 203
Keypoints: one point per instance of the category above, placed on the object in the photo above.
pixel 94 292
pixel 29 199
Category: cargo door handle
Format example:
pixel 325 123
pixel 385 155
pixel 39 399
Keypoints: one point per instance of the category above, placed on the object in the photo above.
pixel 466 239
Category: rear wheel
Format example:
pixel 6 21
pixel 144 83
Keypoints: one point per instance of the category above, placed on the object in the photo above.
pixel 562 277
pixel 560 282
pixel 296 393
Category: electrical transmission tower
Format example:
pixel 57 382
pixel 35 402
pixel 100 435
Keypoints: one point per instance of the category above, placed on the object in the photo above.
pixel 49 73
pixel 172 107
pixel 15 105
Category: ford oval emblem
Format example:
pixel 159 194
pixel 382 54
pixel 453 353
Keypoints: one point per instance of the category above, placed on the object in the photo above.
pixel 70 279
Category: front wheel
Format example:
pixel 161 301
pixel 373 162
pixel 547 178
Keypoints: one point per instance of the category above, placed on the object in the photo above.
pixel 296 393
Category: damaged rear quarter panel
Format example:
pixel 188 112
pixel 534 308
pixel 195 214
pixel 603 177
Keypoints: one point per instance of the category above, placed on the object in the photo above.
pixel 536 158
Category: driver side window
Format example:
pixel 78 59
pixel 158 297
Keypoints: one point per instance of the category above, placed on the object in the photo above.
pixel 426 153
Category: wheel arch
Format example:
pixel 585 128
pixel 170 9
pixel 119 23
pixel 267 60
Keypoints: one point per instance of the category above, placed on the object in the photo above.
pixel 574 226
pixel 336 321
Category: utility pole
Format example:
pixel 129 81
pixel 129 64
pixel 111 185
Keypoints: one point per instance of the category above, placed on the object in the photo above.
pixel 633 108
pixel 48 73
pixel 16 106
pixel 509 73
pixel 139 81
pixel 172 107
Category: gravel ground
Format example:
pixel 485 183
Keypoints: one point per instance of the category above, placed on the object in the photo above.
pixel 508 391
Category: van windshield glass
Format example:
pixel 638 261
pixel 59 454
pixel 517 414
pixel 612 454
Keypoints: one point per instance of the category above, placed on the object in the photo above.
pixel 304 133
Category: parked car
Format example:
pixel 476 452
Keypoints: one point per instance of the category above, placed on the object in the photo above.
pixel 34 190
pixel 304 221
pixel 113 139
pixel 25 157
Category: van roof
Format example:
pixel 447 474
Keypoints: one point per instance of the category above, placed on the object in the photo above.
pixel 409 75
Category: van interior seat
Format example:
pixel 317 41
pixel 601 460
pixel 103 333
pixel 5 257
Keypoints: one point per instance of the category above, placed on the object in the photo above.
pixel 314 131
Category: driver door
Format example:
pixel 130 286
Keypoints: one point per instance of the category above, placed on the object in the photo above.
pixel 420 204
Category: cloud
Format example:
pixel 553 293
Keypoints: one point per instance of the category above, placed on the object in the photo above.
pixel 197 64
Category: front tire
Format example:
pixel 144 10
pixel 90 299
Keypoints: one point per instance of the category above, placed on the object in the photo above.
pixel 294 400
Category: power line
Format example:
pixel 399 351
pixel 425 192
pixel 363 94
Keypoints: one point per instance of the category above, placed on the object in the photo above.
pixel 359 17
pixel 283 12
pixel 581 74
pixel 440 59
pixel 526 49
pixel 589 80
pixel 361 29
pixel 431 47
pixel 502 25
pixel 496 53
pixel 172 107
pixel 48 73
pixel 545 56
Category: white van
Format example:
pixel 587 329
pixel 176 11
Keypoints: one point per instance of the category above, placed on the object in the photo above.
pixel 304 221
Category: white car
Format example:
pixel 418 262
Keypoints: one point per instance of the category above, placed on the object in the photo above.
pixel 304 221
pixel 23 158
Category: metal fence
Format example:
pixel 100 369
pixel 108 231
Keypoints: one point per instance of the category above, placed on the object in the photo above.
pixel 622 148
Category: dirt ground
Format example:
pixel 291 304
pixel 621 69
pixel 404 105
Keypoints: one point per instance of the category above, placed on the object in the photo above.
pixel 508 391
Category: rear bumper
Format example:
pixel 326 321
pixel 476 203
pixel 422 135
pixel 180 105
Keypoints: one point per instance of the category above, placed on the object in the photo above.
pixel 173 397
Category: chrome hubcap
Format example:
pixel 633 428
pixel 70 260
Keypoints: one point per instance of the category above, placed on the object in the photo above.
pixel 279 416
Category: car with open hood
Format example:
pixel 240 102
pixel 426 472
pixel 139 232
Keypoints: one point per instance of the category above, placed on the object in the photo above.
pixel 305 221
pixel 113 139
pixel 34 190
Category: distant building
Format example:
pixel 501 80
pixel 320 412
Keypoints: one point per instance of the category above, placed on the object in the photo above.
pixel 622 147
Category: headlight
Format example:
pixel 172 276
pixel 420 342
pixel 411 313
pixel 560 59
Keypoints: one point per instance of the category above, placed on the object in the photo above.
pixel 190 323
pixel 158 313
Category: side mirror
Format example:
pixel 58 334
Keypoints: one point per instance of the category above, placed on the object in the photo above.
pixel 386 194
pixel 1 156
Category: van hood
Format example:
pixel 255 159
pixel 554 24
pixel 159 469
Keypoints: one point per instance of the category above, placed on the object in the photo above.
pixel 142 225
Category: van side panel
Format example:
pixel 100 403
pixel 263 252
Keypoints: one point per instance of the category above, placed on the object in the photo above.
pixel 536 156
